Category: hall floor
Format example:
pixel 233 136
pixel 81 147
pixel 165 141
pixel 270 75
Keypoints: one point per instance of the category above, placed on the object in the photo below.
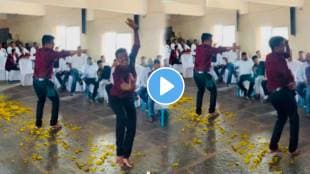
pixel 236 142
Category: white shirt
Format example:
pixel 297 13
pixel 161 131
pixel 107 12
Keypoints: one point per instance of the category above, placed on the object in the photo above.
pixel 33 51
pixel 231 56
pixel 78 62
pixel 193 49
pixel 3 53
pixel 17 51
pixel 90 71
pixel 220 60
pixel 167 51
pixel 294 66
pixel 142 74
pixel 63 65
pixel 301 73
pixel 245 67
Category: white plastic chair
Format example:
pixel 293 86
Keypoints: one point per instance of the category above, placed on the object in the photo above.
pixel 13 75
pixel 79 88
pixel 26 72
pixel 2 68
pixel 187 65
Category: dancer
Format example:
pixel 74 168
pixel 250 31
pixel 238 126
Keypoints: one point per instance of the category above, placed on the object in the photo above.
pixel 202 77
pixel 43 86
pixel 122 98
pixel 281 85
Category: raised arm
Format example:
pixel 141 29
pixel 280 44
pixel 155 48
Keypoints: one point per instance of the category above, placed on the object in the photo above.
pixel 136 44
pixel 288 53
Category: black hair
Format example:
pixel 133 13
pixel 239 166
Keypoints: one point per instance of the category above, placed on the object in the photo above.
pixel 243 54
pixel 13 50
pixel 47 39
pixel 275 42
pixel 254 57
pixel 206 37
pixel 156 61
pixel 99 61
pixel 120 50
pixel 89 58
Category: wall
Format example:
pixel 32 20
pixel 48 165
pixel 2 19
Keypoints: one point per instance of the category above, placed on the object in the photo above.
pixel 190 27
pixel 31 28
pixel 276 16
pixel 4 23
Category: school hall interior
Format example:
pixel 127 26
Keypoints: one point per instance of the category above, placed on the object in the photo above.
pixel 169 139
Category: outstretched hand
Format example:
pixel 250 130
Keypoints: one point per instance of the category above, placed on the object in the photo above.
pixel 131 24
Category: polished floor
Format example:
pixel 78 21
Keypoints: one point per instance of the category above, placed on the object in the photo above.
pixel 236 142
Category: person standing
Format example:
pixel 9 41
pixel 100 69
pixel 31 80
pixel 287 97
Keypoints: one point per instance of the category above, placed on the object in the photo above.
pixel 281 85
pixel 43 86
pixel 122 98
pixel 202 77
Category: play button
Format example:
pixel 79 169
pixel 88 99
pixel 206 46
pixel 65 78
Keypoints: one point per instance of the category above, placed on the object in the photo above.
pixel 165 86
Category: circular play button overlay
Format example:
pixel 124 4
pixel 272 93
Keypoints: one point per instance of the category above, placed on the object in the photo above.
pixel 165 86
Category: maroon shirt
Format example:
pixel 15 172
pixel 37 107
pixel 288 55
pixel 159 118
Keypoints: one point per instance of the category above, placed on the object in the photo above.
pixel 121 74
pixel 44 62
pixel 204 55
pixel 277 72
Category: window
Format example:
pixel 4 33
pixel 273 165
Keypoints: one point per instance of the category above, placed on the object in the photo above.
pixel 111 41
pixel 267 32
pixel 224 35
pixel 68 37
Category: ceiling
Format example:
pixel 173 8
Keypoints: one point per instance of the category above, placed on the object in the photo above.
pixel 180 7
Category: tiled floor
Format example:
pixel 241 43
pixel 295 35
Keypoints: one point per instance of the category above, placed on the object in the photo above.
pixel 237 142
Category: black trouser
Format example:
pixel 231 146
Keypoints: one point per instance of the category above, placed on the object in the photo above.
pixel 203 81
pixel 243 78
pixel 108 89
pixel 74 73
pixel 264 85
pixel 285 104
pixel 61 80
pixel 93 81
pixel 220 71
pixel 125 111
pixel 43 89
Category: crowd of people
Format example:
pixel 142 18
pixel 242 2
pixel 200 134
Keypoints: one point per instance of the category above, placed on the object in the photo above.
pixel 272 79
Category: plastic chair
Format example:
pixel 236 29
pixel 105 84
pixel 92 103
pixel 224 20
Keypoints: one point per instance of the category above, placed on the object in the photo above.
pixel 188 65
pixel 26 72
pixel 2 68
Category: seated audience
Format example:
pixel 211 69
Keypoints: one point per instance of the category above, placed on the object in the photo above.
pixel 259 74
pixel 245 74
pixel 11 46
pixel 175 56
pixel 3 53
pixel 231 58
pixel 61 72
pixel 90 78
pixel 307 74
pixel 76 64
pixel 302 83
pixel 301 56
pixel 294 66
pixel 143 61
pixel 12 61
pixel 219 67
pixel 150 102
pixel 103 74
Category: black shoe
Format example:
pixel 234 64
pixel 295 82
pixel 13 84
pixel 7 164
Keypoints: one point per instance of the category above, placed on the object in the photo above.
pixel 198 111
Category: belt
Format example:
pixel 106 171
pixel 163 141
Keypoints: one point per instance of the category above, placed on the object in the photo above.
pixel 41 79
pixel 201 72
pixel 277 90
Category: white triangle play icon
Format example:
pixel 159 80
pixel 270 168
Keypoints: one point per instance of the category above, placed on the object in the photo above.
pixel 165 86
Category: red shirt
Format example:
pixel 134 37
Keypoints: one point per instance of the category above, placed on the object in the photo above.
pixel 44 62
pixel 204 55
pixel 277 72
pixel 121 74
